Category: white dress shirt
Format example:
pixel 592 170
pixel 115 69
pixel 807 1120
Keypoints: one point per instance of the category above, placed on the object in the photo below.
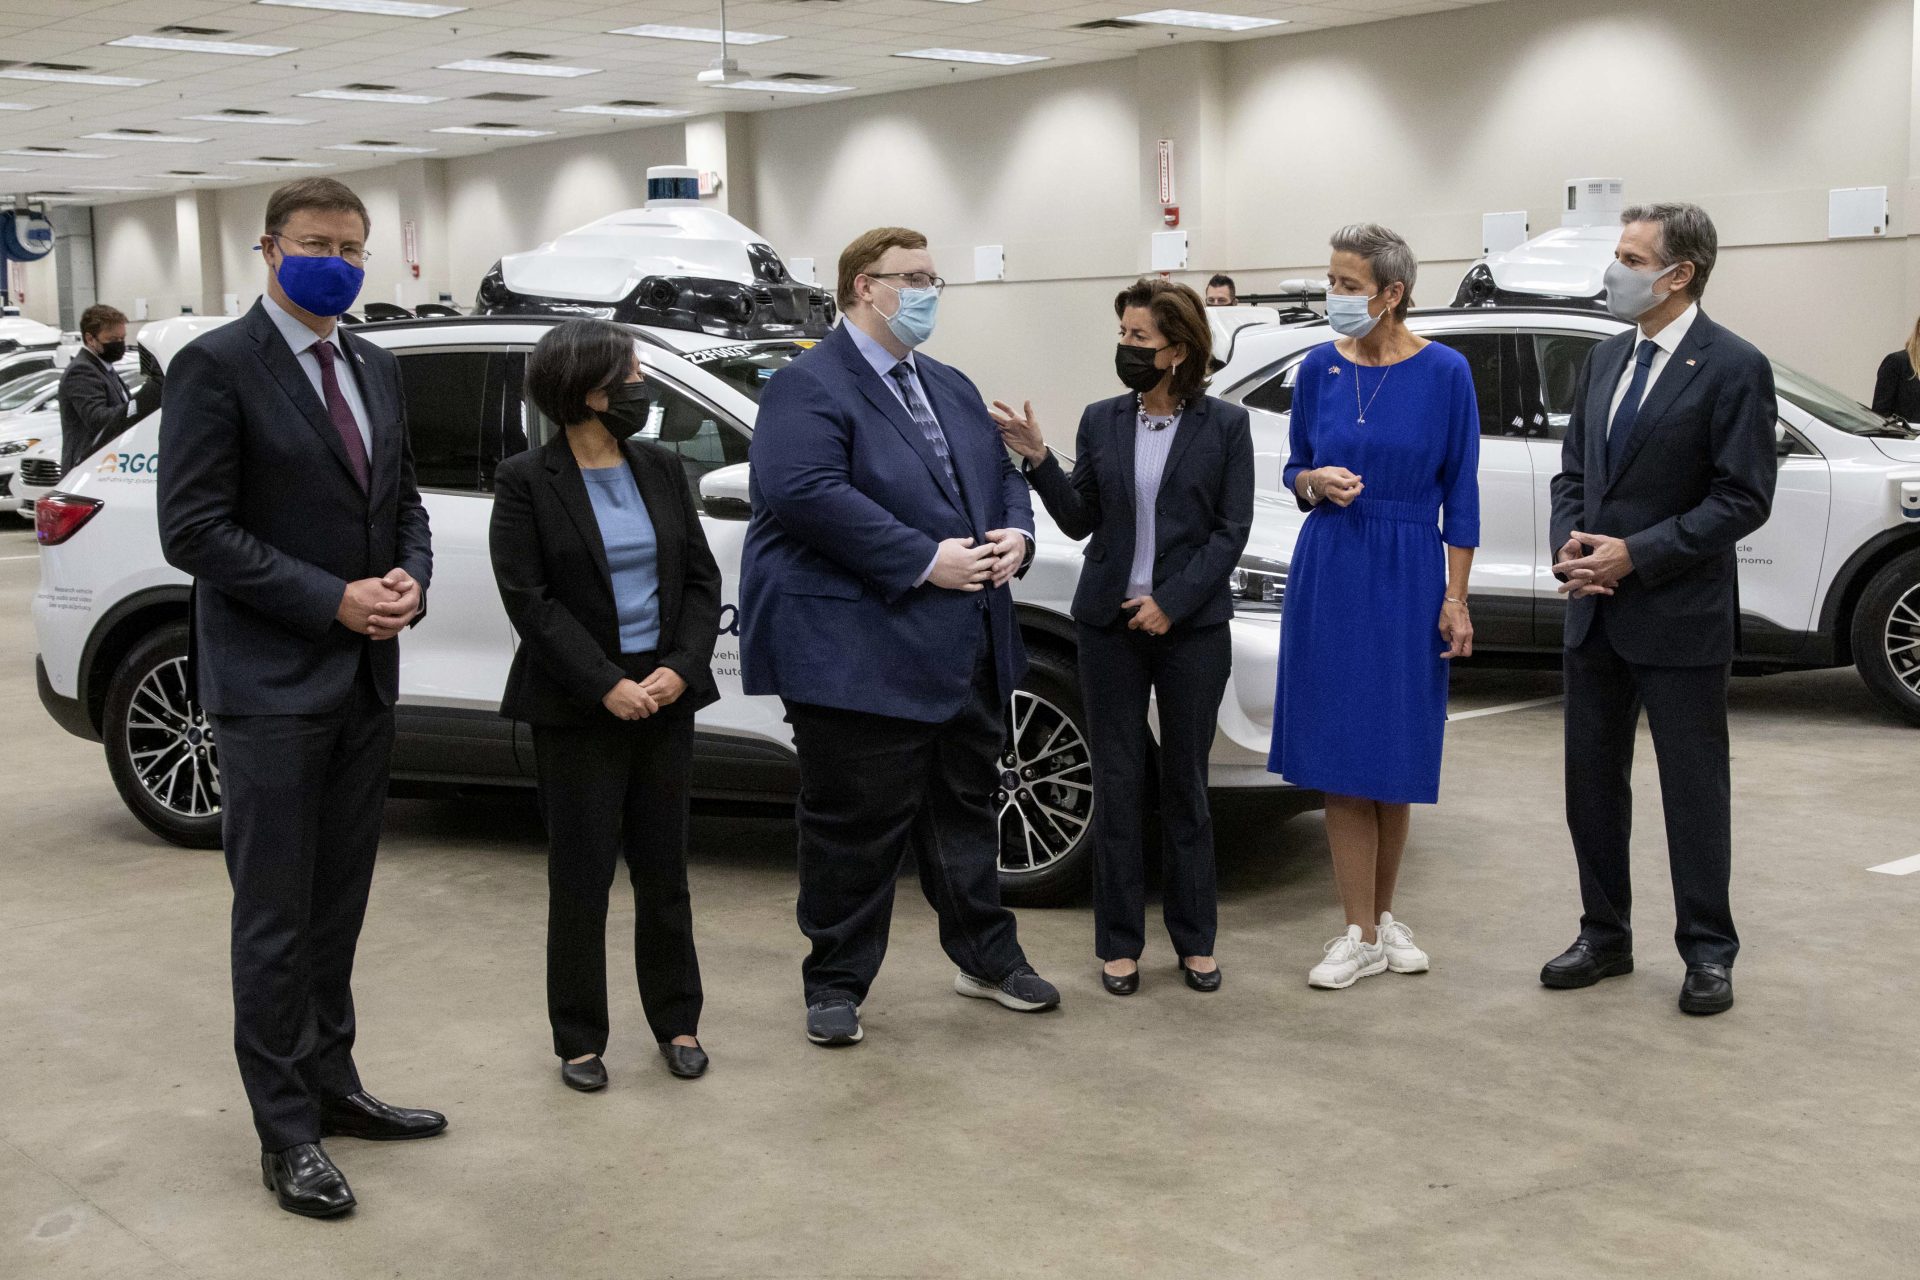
pixel 345 368
pixel 1667 341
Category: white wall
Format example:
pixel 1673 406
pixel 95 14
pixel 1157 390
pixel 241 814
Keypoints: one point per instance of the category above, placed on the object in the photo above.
pixel 137 255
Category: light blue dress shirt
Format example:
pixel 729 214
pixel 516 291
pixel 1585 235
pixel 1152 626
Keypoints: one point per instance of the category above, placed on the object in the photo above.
pixel 633 553
pixel 303 340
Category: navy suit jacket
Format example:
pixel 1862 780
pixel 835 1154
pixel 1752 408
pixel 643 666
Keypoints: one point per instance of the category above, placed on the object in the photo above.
pixel 849 505
pixel 1202 515
pixel 1697 476
pixel 258 503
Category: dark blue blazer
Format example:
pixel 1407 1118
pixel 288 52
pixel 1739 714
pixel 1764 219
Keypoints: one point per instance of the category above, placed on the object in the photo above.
pixel 1202 516
pixel 258 503
pixel 849 505
pixel 1697 476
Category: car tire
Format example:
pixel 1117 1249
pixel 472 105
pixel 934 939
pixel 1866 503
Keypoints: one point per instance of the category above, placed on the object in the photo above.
pixel 1045 796
pixel 1886 636
pixel 160 748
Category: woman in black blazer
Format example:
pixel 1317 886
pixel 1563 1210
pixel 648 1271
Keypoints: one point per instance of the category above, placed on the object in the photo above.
pixel 606 575
pixel 1163 483
pixel 1896 389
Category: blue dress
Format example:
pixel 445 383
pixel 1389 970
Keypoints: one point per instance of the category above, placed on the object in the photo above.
pixel 1361 702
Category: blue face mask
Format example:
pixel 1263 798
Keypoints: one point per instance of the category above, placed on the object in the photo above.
pixel 1349 315
pixel 913 322
pixel 319 286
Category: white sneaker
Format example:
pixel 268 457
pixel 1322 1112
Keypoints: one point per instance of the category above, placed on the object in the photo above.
pixel 1402 955
pixel 1348 960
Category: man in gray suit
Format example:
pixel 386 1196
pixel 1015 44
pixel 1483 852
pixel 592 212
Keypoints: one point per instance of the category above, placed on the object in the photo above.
pixel 94 403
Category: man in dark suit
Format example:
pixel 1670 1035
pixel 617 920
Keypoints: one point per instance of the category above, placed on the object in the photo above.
pixel 887 522
pixel 94 404
pixel 288 493
pixel 1668 462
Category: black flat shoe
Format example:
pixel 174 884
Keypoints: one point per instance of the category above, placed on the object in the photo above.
pixel 1708 989
pixel 1201 981
pixel 588 1077
pixel 1583 964
pixel 306 1182
pixel 361 1115
pixel 688 1061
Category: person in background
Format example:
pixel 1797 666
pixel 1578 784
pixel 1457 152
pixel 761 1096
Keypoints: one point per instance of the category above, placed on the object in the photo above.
pixel 1221 293
pixel 887 523
pixel 1385 443
pixel 1163 482
pixel 94 403
pixel 1897 388
pixel 1668 462
pixel 288 495
pixel 605 574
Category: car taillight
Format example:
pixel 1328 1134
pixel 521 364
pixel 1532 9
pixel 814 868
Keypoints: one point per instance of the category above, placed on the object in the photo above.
pixel 58 516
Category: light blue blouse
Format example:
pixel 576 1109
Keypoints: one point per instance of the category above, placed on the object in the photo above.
pixel 633 554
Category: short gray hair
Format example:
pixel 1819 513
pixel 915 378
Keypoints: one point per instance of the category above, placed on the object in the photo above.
pixel 1388 256
pixel 1686 235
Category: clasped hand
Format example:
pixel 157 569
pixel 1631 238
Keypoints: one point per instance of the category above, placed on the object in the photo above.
pixel 638 699
pixel 962 566
pixel 1592 564
pixel 379 607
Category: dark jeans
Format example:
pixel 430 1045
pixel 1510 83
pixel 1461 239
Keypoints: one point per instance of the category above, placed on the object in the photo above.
pixel 301 801
pixel 1687 713
pixel 874 789
pixel 613 791
pixel 1185 672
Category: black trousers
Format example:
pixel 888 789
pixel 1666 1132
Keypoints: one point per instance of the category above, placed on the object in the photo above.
pixel 874 789
pixel 614 791
pixel 1185 672
pixel 1687 713
pixel 301 800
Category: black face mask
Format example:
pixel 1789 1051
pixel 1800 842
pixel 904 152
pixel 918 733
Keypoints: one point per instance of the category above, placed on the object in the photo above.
pixel 112 352
pixel 1136 368
pixel 626 411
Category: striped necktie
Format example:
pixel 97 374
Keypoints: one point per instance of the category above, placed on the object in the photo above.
pixel 923 418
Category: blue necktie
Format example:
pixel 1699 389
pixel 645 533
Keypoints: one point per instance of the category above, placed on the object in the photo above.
pixel 1629 411
pixel 923 418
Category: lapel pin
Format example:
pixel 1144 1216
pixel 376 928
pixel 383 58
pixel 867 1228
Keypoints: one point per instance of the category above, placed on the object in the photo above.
pixel 1333 368
pixel 1690 362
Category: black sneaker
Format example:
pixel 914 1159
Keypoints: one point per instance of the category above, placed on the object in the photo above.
pixel 1023 990
pixel 833 1022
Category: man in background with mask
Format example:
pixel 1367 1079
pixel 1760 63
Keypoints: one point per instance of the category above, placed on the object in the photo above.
pixel 94 404
pixel 887 523
pixel 288 493
pixel 1668 462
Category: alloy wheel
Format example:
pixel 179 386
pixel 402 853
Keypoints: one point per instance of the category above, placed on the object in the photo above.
pixel 1045 792
pixel 1902 639
pixel 171 743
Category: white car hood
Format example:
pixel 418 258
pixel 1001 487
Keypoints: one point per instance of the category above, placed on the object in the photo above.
pixel 28 333
pixel 604 261
pixel 1899 450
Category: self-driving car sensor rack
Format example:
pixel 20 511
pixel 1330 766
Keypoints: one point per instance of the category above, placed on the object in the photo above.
pixel 720 308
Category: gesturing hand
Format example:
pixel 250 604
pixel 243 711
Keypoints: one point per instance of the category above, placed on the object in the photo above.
pixel 1148 616
pixel 1009 548
pixel 1020 431
pixel 359 602
pixel 630 701
pixel 390 617
pixel 961 566
pixel 1337 485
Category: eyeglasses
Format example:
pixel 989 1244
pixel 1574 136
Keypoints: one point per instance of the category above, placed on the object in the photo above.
pixel 914 279
pixel 317 247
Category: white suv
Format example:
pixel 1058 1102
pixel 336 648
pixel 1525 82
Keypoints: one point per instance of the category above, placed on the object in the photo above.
pixel 111 613
pixel 1832 578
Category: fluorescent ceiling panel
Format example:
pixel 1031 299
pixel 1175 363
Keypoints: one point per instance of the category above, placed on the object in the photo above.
pixel 224 119
pixel 76 77
pixel 379 146
pixel 702 35
pixel 179 44
pixel 478 132
pixel 495 67
pixel 53 155
pixel 973 55
pixel 19 106
pixel 369 95
pixel 1202 20
pixel 194 177
pixel 99 186
pixel 381 8
pixel 653 113
pixel 114 135
pixel 784 86
pixel 282 164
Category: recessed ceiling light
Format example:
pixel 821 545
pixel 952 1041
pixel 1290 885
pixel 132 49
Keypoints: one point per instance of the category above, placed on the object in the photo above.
pixel 703 35
pixel 195 177
pixel 1205 21
pixel 266 163
pixel 177 44
pixel 53 153
pixel 369 95
pixel 783 86
pixel 382 8
pixel 973 55
pixel 76 77
pixel 221 118
pixel 494 131
pixel 379 146
pixel 19 106
pixel 138 135
pixel 102 186
pixel 614 109
pixel 495 66
pixel 960 1
pixel 7 168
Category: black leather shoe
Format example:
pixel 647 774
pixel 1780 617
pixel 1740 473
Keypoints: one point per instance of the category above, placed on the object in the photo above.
pixel 361 1115
pixel 588 1077
pixel 1583 964
pixel 1707 989
pixel 1201 981
pixel 306 1182
pixel 689 1062
pixel 1121 986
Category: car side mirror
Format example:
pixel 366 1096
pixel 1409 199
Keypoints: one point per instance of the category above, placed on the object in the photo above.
pixel 723 493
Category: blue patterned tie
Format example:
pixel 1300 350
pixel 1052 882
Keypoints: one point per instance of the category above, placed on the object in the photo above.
pixel 1629 411
pixel 923 418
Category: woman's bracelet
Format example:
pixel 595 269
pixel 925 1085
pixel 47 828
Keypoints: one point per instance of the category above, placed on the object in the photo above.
pixel 1459 600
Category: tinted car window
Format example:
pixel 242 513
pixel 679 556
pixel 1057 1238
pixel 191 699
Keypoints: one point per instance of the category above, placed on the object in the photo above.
pixel 702 439
pixel 17 394
pixel 1485 353
pixel 15 369
pixel 1560 357
pixel 746 368
pixel 1275 395
pixel 447 404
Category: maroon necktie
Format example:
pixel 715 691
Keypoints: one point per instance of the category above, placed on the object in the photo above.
pixel 342 416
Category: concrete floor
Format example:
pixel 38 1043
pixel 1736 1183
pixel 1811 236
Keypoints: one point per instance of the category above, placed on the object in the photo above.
pixel 1467 1122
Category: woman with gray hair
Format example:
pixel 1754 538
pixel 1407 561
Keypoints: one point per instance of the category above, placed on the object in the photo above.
pixel 1385 444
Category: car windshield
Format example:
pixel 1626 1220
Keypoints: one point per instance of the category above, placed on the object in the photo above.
pixel 747 367
pixel 21 390
pixel 1830 406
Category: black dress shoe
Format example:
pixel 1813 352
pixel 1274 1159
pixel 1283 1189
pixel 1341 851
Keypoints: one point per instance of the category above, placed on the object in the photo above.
pixel 688 1061
pixel 1583 964
pixel 588 1077
pixel 1707 989
pixel 1121 986
pixel 306 1182
pixel 1201 981
pixel 361 1115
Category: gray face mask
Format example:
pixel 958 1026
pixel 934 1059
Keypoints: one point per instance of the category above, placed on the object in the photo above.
pixel 1630 293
